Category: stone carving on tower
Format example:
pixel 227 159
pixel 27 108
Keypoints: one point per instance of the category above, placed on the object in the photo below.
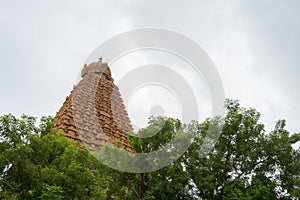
pixel 94 112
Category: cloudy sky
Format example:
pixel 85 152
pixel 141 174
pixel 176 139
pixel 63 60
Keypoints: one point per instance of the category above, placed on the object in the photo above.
pixel 255 46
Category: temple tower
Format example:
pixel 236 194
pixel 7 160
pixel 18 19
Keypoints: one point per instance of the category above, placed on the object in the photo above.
pixel 94 112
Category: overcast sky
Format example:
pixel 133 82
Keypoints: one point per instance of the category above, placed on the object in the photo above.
pixel 254 44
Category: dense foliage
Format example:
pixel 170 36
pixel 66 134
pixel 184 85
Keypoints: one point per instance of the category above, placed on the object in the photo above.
pixel 40 163
pixel 246 162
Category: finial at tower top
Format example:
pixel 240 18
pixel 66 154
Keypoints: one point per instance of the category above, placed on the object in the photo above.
pixel 97 67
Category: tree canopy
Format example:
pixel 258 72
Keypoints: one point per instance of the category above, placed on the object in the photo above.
pixel 246 162
pixel 37 162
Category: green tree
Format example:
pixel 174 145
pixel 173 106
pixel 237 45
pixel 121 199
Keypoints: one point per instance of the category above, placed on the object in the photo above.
pixel 41 163
pixel 246 162
pixel 171 182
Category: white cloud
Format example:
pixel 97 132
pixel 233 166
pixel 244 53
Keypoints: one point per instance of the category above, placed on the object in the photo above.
pixel 254 44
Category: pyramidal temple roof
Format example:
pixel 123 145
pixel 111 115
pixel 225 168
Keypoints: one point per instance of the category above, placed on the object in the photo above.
pixel 94 112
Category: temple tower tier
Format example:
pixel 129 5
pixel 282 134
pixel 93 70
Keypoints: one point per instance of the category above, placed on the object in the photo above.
pixel 94 113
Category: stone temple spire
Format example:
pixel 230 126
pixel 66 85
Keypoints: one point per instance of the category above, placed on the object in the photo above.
pixel 94 112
